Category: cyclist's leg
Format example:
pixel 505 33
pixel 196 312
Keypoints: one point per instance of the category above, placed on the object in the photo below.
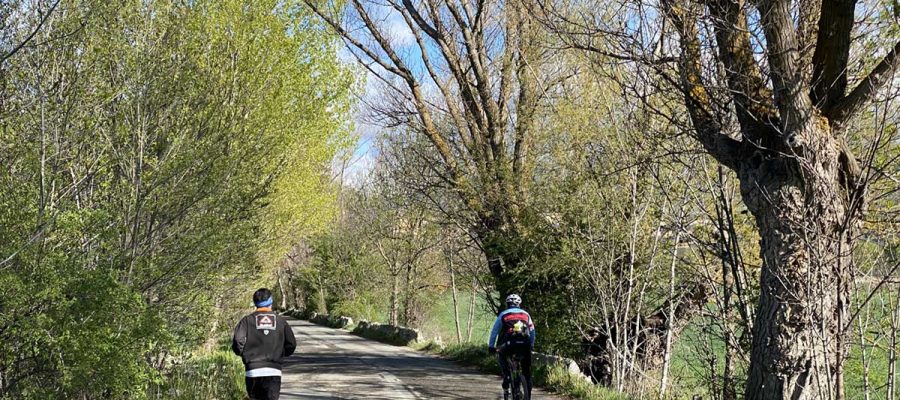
pixel 526 370
pixel 504 367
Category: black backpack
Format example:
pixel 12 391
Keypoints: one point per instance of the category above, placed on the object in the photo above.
pixel 516 328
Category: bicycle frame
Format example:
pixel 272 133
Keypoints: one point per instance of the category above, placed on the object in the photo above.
pixel 519 385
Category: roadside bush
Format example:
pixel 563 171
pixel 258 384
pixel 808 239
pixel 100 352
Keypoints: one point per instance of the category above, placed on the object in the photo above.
pixel 219 375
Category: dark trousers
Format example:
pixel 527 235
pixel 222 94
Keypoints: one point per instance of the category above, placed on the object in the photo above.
pixel 523 352
pixel 264 387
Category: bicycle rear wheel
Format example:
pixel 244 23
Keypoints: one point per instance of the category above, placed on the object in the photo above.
pixel 517 387
pixel 515 377
pixel 522 387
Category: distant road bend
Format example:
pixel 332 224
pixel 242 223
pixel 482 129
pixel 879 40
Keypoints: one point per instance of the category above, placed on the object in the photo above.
pixel 333 364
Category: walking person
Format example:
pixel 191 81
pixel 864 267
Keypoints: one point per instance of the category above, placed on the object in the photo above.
pixel 262 339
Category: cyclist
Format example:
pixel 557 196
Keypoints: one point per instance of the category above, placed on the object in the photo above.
pixel 516 337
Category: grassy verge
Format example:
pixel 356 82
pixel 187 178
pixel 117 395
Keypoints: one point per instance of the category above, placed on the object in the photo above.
pixel 555 379
pixel 218 376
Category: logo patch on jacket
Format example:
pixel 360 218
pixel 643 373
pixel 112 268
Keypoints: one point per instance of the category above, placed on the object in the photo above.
pixel 517 327
pixel 265 322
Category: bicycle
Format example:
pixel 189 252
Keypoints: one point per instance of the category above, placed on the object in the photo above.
pixel 518 384
pixel 517 379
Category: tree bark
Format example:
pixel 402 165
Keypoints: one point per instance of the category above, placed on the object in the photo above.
pixel 892 357
pixel 455 300
pixel 803 215
pixel 283 292
pixel 395 301
pixel 670 316
pixel 799 180
pixel 470 323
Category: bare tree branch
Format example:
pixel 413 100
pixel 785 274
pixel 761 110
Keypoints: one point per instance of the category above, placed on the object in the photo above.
pixel 42 18
pixel 749 91
pixel 709 132
pixel 829 78
pixel 866 90
pixel 791 95
pixel 353 41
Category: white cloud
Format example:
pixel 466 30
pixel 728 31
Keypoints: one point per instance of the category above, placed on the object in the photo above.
pixel 399 31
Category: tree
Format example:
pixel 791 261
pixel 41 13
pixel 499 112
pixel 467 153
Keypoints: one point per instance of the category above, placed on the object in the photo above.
pixel 153 155
pixel 781 122
pixel 470 84
pixel 404 237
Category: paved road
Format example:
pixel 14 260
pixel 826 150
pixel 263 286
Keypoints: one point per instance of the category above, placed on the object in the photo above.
pixel 333 364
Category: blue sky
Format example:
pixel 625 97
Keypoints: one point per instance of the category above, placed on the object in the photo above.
pixel 364 154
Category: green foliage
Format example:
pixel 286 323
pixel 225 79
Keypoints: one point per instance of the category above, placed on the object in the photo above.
pixel 341 278
pixel 218 375
pixel 156 158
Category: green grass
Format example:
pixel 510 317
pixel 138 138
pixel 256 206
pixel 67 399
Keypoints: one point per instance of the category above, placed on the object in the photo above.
pixel 474 354
pixel 440 322
pixel 555 379
pixel 216 376
pixel 558 380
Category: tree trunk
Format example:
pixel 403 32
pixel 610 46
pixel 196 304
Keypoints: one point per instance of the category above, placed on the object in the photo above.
pixel 283 292
pixel 729 391
pixel 470 322
pixel 408 319
pixel 892 353
pixel 300 299
pixel 211 336
pixel 802 213
pixel 395 300
pixel 670 317
pixel 322 306
pixel 455 300
pixel 731 263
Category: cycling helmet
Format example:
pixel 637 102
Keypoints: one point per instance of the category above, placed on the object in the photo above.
pixel 513 300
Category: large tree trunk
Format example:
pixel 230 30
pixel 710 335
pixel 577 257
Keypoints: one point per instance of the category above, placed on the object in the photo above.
pixel 502 264
pixel 799 180
pixel 802 211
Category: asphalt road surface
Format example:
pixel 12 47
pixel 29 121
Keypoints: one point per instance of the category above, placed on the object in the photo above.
pixel 333 364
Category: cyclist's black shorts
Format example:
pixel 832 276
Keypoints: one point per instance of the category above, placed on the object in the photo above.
pixel 511 348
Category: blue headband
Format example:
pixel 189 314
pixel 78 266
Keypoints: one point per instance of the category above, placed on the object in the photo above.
pixel 264 303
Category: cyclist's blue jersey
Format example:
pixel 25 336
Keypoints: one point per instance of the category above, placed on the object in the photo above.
pixel 510 314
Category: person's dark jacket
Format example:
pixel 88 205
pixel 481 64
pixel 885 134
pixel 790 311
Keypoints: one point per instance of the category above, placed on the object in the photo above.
pixel 262 340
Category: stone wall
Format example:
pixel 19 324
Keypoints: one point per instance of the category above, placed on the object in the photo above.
pixel 547 360
pixel 331 321
pixel 396 335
